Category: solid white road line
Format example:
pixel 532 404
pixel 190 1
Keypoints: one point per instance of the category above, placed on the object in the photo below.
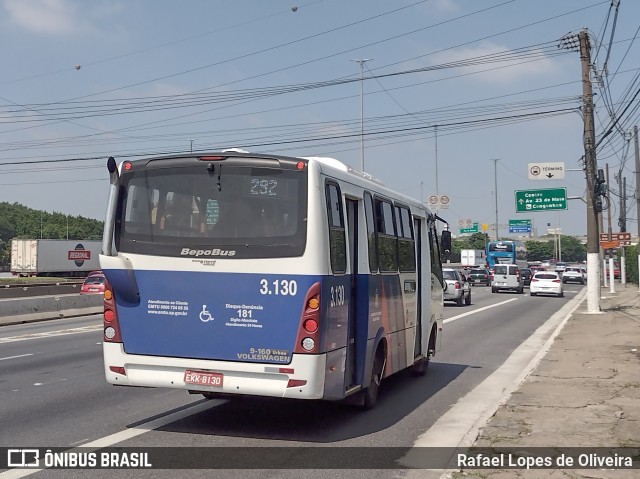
pixel 19 356
pixel 478 310
pixel 123 435
pixel 50 334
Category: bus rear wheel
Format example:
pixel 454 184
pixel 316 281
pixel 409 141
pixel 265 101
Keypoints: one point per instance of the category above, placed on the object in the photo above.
pixel 371 392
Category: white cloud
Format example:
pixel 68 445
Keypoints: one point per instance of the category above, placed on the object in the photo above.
pixel 51 17
pixel 446 5
pixel 503 72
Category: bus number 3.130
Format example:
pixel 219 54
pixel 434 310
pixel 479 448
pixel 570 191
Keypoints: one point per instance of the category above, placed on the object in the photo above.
pixel 337 295
pixel 281 287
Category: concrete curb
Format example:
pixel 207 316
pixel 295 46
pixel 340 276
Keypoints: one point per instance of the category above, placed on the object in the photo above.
pixel 38 308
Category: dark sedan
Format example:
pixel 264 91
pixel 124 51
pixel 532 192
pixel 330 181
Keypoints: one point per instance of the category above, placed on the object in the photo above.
pixel 479 276
pixel 527 274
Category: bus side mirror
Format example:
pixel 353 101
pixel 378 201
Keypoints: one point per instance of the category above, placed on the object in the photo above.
pixel 445 241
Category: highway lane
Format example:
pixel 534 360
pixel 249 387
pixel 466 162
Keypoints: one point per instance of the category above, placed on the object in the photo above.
pixel 77 406
pixel 52 386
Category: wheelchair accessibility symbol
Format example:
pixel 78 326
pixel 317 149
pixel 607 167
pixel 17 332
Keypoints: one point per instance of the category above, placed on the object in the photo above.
pixel 205 316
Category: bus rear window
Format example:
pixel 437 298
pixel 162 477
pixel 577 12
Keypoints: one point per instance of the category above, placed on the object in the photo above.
pixel 249 211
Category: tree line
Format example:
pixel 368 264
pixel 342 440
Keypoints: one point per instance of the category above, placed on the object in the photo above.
pixel 573 251
pixel 19 221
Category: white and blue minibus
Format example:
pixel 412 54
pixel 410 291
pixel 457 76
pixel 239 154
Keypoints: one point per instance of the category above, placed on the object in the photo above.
pixel 235 273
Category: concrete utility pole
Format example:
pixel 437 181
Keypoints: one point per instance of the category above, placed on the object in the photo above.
pixel 361 62
pixel 590 166
pixel 623 206
pixel 637 155
pixel 435 134
pixel 495 181
pixel 609 198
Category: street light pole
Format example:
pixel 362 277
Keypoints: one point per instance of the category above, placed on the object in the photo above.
pixel 361 62
pixel 495 181
pixel 435 134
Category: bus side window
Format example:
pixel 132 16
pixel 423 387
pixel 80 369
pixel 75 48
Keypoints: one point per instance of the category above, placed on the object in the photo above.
pixel 371 233
pixel 337 242
pixel 387 239
pixel 406 242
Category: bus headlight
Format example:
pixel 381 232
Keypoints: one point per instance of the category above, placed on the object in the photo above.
pixel 308 344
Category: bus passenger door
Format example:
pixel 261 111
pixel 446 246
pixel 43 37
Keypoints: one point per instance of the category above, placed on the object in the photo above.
pixel 352 229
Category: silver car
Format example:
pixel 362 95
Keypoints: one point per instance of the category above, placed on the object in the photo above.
pixel 457 288
pixel 573 274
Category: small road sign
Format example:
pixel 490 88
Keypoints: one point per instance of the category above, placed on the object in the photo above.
pixel 519 226
pixel 548 199
pixel 439 202
pixel 546 171
pixel 624 239
pixel 610 244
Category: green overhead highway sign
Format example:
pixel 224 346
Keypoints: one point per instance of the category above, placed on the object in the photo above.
pixel 548 199
pixel 519 226
pixel 473 229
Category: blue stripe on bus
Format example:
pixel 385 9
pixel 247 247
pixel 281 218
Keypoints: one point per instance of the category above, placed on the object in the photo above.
pixel 221 316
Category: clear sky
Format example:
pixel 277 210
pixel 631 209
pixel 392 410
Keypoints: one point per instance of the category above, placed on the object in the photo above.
pixel 83 80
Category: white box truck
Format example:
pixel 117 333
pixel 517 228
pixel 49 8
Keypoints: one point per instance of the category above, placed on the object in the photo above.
pixel 48 257
pixel 473 257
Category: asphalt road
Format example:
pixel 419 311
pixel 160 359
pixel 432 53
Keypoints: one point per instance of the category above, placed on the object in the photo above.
pixel 53 394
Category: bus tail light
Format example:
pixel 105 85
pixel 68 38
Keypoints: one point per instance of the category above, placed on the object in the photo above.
pixel 294 383
pixel 118 370
pixel 308 339
pixel 310 325
pixel 111 326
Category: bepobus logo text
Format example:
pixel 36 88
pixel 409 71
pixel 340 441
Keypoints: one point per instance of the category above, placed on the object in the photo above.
pixel 207 252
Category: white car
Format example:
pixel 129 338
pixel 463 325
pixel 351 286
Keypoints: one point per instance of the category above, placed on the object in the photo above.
pixel 546 282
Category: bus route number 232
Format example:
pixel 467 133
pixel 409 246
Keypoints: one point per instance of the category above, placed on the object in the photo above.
pixel 279 287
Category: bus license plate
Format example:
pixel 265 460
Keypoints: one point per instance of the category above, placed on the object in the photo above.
pixel 203 378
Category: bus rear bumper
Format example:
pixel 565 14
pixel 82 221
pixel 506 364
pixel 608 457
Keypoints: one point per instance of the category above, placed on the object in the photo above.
pixel 303 378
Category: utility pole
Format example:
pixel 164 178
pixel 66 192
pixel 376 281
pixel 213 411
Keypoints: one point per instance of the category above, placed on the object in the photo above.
pixel 622 221
pixel 435 134
pixel 590 166
pixel 361 62
pixel 637 156
pixel 495 181
pixel 609 198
